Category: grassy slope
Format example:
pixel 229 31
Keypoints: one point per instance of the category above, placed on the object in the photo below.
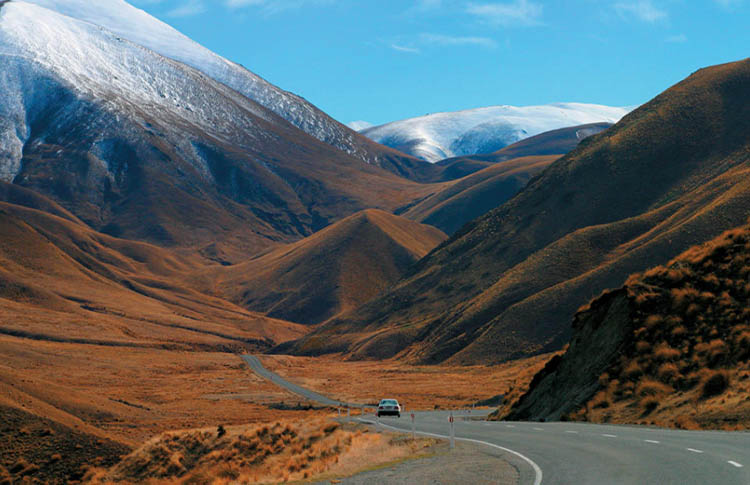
pixel 672 347
pixel 672 174
pixel 478 193
pixel 333 270
pixel 61 280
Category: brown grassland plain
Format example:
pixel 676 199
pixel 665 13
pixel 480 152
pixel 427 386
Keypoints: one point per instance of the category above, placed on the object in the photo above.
pixel 416 387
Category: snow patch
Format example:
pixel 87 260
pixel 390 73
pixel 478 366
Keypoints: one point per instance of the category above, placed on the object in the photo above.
pixel 484 130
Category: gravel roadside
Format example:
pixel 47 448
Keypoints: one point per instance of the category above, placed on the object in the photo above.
pixel 468 463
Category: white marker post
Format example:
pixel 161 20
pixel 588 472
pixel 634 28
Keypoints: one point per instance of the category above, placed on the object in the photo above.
pixel 453 432
pixel 413 427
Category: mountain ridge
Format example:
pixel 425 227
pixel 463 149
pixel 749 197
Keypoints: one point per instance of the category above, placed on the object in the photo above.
pixel 553 246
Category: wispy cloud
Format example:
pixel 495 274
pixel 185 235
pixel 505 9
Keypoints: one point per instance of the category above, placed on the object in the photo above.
pixel 729 3
pixel 450 40
pixel 643 10
pixel 274 6
pixel 188 9
pixel 516 13
pixel 677 39
pixel 403 48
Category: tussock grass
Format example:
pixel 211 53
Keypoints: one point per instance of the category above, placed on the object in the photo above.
pixel 690 347
pixel 269 453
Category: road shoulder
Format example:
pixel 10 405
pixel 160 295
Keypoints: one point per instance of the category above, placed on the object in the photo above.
pixel 466 463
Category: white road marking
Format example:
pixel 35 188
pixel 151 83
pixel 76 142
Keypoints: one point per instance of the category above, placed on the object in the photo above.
pixel 652 441
pixel 538 429
pixel 537 471
pixel 509 426
pixel 609 435
pixel 734 463
pixel 694 450
pixel 571 432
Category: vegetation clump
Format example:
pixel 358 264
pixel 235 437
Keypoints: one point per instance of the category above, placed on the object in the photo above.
pixel 691 334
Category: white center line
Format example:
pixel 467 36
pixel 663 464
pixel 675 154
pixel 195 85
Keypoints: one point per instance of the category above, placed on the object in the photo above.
pixel 694 450
pixel 538 429
pixel 571 432
pixel 610 435
pixel 652 441
pixel 734 463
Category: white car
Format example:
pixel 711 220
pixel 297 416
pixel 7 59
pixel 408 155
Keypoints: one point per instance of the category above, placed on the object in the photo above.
pixel 388 407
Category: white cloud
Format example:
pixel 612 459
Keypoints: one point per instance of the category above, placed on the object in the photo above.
pixel 677 39
pixel 188 9
pixel 449 40
pixel 403 48
pixel 643 10
pixel 518 12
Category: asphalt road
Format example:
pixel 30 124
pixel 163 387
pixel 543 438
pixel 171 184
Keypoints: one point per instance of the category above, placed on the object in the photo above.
pixel 581 453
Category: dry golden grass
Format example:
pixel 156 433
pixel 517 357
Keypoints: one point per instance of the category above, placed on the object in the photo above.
pixel 416 387
pixel 271 453
pixel 132 394
pixel 333 270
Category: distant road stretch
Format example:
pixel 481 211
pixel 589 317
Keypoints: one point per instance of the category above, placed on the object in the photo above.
pixel 581 453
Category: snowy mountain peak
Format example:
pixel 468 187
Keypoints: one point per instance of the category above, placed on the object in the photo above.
pixel 437 136
pixel 141 28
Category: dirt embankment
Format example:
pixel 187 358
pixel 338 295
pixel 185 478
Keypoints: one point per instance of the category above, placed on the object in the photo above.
pixel 671 348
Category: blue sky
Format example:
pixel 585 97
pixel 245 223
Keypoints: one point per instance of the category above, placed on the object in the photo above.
pixel 383 60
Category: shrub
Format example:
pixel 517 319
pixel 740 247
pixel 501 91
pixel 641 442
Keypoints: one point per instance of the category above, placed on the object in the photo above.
pixel 667 372
pixel 649 404
pixel 220 431
pixel 715 383
pixel 650 387
pixel 664 352
pixel 633 370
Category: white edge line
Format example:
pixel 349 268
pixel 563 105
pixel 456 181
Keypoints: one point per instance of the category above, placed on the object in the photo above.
pixel 652 441
pixel 537 471
pixel 609 435
pixel 734 463
pixel 694 450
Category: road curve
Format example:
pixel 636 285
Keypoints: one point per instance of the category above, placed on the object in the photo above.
pixel 581 453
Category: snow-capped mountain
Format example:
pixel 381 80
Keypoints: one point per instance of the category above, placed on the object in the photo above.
pixel 139 27
pixel 438 136
pixel 143 146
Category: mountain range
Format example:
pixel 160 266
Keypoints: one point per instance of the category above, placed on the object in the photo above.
pixel 438 136
pixel 671 174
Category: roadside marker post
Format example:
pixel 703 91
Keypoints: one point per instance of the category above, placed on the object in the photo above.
pixel 453 432
pixel 413 427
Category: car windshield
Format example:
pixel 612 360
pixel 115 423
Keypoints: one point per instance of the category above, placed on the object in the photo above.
pixel 388 402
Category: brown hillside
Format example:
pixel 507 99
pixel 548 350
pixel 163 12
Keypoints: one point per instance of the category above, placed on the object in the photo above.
pixel 61 281
pixel 672 174
pixel 671 347
pixel 333 270
pixel 478 193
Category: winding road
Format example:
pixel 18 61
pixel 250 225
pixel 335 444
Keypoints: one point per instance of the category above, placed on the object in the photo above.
pixel 582 453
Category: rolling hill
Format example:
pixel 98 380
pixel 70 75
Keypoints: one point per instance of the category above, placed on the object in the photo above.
pixel 672 346
pixel 439 136
pixel 60 281
pixel 474 195
pixel 671 174
pixel 334 270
